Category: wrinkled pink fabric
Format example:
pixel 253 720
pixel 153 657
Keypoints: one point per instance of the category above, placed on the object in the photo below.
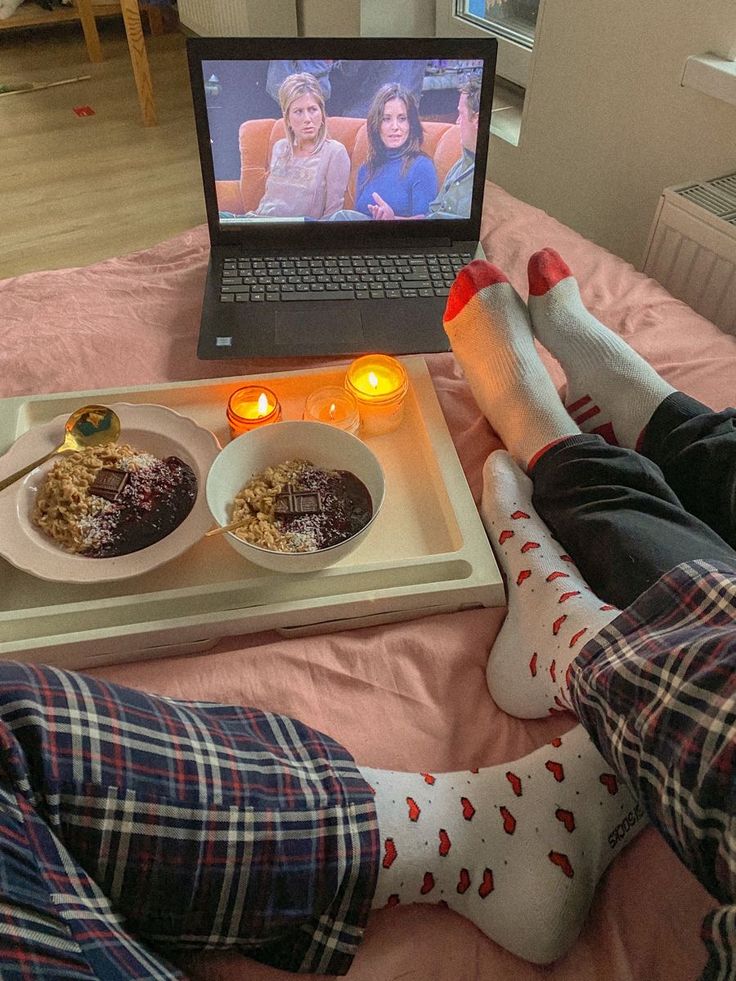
pixel 404 696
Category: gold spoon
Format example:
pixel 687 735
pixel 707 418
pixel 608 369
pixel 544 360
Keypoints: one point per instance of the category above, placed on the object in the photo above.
pixel 88 426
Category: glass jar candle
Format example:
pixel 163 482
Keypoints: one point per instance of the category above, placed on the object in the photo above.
pixel 379 385
pixel 250 407
pixel 335 406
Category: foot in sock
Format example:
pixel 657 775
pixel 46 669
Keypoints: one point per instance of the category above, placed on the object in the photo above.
pixel 490 332
pixel 552 612
pixel 518 848
pixel 611 390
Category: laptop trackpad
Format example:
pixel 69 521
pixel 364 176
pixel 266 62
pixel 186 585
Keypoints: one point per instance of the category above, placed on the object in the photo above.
pixel 338 330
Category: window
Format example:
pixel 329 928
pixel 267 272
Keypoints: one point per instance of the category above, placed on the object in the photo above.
pixel 515 20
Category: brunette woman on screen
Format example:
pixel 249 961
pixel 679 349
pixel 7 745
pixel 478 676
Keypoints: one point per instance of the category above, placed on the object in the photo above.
pixel 396 169
pixel 308 173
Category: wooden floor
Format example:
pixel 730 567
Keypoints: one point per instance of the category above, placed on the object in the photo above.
pixel 76 189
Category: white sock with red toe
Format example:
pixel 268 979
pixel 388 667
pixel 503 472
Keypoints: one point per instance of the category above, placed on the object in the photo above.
pixel 490 332
pixel 611 390
pixel 552 612
pixel 518 848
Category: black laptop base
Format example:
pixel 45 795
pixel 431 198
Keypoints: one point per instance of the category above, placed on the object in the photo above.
pixel 327 304
pixel 304 329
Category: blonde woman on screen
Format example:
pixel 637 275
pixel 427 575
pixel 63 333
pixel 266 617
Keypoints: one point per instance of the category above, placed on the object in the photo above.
pixel 308 173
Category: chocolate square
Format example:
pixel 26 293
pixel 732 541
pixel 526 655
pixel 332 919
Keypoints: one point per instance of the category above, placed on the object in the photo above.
pixel 109 483
pixel 291 502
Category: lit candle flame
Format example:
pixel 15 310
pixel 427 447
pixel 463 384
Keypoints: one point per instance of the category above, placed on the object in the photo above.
pixel 372 379
pixel 332 410
pixel 263 406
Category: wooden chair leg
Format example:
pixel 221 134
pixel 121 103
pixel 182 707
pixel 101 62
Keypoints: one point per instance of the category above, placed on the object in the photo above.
pixel 89 26
pixel 139 60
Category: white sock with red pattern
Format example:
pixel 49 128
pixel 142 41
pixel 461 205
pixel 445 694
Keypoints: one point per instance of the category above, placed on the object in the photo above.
pixel 611 390
pixel 552 612
pixel 518 848
pixel 490 332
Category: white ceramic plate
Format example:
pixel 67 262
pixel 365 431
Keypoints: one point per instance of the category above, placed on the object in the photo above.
pixel 151 428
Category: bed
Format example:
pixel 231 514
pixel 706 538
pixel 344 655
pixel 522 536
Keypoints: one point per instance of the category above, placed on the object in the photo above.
pixel 406 695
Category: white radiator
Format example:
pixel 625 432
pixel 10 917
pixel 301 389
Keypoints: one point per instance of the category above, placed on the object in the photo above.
pixel 692 247
pixel 238 18
pixel 226 18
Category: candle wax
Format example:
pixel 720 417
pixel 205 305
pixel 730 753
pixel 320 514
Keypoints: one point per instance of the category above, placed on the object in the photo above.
pixel 332 413
pixel 253 408
pixel 334 406
pixel 376 380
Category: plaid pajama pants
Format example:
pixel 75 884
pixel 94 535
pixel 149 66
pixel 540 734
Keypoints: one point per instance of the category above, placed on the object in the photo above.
pixel 134 826
pixel 656 689
pixel 655 532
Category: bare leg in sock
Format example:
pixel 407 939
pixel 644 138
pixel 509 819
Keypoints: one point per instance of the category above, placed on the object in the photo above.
pixel 611 390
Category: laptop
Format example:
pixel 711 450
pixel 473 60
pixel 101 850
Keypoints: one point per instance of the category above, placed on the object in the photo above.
pixel 301 262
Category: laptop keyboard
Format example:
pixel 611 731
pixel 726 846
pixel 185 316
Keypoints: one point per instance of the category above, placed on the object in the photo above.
pixel 343 277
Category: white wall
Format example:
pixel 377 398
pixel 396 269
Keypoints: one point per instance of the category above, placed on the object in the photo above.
pixel 402 18
pixel 329 18
pixel 367 18
pixel 606 122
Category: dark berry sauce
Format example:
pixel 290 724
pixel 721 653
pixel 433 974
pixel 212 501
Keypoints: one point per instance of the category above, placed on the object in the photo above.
pixel 345 508
pixel 153 502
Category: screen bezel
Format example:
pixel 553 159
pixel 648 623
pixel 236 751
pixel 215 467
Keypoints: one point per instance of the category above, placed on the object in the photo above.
pixel 325 234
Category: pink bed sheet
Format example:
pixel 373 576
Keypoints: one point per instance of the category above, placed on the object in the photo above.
pixel 403 696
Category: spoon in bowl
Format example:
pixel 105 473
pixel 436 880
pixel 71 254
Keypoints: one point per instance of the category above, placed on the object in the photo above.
pixel 89 426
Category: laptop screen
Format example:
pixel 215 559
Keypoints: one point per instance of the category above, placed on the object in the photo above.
pixel 340 140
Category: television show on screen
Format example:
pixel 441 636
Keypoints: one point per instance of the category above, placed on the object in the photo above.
pixel 351 140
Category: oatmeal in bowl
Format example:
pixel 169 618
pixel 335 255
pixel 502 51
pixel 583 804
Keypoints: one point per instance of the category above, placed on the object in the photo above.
pixel 301 495
pixel 298 507
pixel 113 499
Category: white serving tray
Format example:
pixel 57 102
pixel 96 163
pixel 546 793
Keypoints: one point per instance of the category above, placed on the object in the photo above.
pixel 427 552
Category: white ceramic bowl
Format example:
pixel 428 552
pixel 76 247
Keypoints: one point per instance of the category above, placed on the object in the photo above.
pixel 320 444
